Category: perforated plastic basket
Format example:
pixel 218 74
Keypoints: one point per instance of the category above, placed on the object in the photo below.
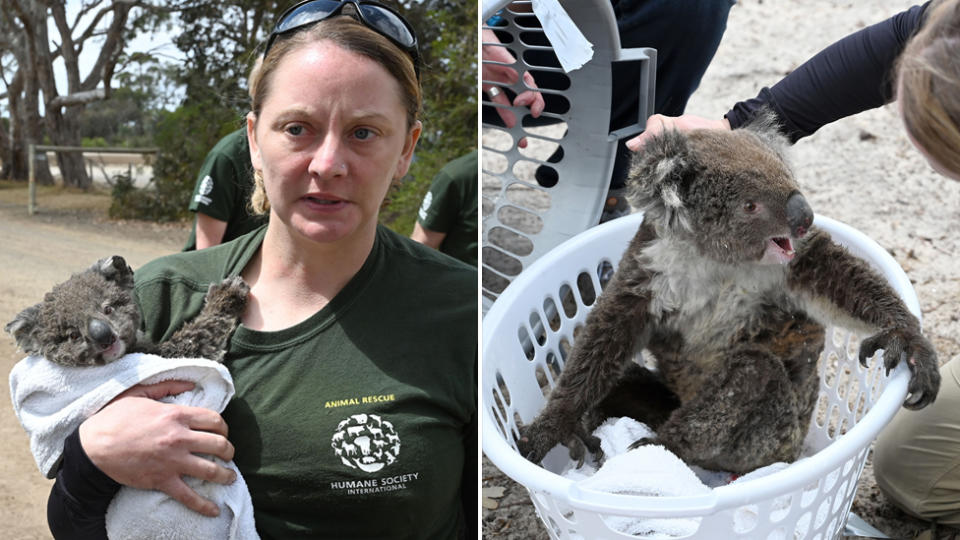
pixel 528 333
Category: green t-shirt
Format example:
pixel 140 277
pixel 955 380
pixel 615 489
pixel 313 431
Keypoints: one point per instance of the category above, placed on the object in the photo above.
pixel 361 421
pixel 450 206
pixel 223 188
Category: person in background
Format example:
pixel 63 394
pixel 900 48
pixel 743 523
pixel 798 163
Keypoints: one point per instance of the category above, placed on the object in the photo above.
pixel 355 364
pixel 221 196
pixel 913 58
pixel 447 219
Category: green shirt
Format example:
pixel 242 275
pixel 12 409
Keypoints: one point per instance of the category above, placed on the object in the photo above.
pixel 361 421
pixel 223 188
pixel 450 206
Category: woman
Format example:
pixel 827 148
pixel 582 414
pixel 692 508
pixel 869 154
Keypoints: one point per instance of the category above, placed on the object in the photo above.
pixel 915 58
pixel 355 364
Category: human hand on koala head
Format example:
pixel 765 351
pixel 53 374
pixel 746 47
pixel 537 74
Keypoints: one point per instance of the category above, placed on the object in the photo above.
pixel 658 123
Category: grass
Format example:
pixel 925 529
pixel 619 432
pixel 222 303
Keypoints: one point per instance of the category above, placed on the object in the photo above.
pixel 95 200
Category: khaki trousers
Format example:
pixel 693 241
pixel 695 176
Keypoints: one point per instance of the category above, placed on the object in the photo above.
pixel 916 459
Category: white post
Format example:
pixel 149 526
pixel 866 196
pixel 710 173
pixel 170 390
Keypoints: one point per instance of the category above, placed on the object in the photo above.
pixel 31 166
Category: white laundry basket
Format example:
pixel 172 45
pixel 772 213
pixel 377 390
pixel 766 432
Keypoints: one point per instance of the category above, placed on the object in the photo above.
pixel 528 333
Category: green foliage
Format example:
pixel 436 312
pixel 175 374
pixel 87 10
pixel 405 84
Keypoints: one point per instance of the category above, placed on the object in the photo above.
pixel 94 142
pixel 219 41
pixel 128 202
pixel 448 44
pixel 185 136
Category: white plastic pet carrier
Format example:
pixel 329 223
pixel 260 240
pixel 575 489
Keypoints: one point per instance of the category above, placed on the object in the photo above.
pixel 524 218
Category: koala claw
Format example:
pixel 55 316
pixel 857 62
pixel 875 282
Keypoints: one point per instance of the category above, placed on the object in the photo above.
pixel 534 446
pixel 580 445
pixel 547 431
pixel 642 442
pixel 230 295
pixel 924 383
pixel 921 357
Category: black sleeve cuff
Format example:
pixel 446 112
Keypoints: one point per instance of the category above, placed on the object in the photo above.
pixel 78 501
pixel 745 111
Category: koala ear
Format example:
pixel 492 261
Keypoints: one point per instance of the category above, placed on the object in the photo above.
pixel 767 127
pixel 659 176
pixel 114 269
pixel 23 328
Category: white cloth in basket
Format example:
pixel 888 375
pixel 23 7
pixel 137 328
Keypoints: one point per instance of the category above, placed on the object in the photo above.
pixel 652 470
pixel 51 400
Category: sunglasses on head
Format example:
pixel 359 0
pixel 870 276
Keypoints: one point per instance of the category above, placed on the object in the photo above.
pixel 373 15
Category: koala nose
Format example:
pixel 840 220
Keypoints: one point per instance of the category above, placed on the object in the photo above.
pixel 101 333
pixel 799 215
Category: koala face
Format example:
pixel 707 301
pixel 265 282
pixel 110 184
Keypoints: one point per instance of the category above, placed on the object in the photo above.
pixel 729 193
pixel 90 319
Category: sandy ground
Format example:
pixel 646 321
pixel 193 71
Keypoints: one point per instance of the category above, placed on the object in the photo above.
pixel 67 234
pixel 862 171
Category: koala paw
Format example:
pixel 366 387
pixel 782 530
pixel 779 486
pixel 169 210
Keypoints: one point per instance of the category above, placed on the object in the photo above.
pixel 229 296
pixel 545 432
pixel 898 343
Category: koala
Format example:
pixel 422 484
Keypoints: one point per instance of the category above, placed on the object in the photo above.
pixel 729 286
pixel 91 319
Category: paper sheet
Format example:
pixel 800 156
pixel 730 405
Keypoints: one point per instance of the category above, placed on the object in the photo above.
pixel 571 47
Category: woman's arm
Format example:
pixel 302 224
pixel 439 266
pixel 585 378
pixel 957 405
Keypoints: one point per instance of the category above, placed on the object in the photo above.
pixel 209 230
pixel 77 506
pixel 139 442
pixel 852 75
pixel 848 77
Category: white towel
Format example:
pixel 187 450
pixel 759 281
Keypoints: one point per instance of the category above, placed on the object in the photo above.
pixel 652 470
pixel 649 470
pixel 52 400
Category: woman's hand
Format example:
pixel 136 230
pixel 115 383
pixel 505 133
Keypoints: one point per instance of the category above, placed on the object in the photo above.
pixel 659 123
pixel 508 76
pixel 146 444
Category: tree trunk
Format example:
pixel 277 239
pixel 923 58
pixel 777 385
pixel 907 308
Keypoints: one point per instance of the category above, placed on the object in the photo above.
pixel 72 170
pixel 25 104
pixel 65 131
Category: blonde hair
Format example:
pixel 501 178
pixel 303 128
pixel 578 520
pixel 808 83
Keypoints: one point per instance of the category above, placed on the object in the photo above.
pixel 929 85
pixel 349 34
pixel 254 73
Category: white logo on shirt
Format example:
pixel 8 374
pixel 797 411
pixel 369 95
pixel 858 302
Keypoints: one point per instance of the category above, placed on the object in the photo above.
pixel 427 200
pixel 366 442
pixel 206 186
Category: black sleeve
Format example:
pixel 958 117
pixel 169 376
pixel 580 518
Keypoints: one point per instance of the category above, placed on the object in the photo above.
pixel 848 77
pixel 78 502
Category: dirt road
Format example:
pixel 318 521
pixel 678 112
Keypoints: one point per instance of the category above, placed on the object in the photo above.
pixel 69 233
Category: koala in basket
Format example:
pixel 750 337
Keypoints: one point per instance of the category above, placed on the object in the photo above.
pixel 91 319
pixel 727 284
